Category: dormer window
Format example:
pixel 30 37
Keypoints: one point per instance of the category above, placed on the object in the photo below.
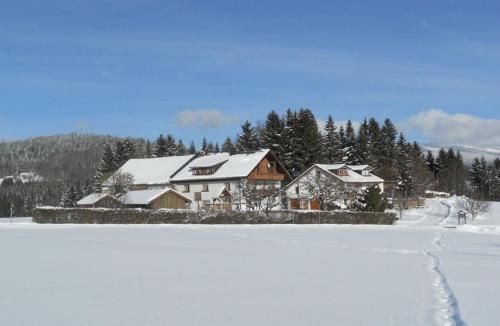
pixel 365 173
pixel 342 172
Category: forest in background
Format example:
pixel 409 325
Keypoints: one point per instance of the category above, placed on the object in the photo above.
pixel 77 164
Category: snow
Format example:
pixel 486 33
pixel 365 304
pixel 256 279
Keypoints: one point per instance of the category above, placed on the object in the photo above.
pixel 418 272
pixel 236 166
pixel 92 198
pixel 352 176
pixel 153 171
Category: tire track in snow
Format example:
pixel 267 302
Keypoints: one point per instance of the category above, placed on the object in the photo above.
pixel 448 311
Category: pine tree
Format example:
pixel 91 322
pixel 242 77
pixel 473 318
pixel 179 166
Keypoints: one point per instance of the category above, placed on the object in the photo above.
pixel 311 140
pixel 247 140
pixel 216 148
pixel 105 168
pixel 204 146
pixel 349 147
pixel 403 167
pixel 332 146
pixel 181 149
pixel 192 148
pixel 228 146
pixel 388 148
pixel 170 146
pixel 160 148
pixel 375 150
pixel 148 151
pixel 293 158
pixel 272 134
pixel 362 149
pixel 70 197
pixel 210 149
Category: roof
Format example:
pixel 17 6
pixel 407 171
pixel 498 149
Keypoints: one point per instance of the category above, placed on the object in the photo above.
pixel 93 198
pixel 235 166
pixel 352 176
pixel 151 171
pixel 360 167
pixel 146 197
pixel 210 160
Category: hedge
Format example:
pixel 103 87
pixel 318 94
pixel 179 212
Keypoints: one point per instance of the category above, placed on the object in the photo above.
pixel 58 215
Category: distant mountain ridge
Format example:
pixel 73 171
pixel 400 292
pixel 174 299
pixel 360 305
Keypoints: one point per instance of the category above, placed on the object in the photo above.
pixel 469 152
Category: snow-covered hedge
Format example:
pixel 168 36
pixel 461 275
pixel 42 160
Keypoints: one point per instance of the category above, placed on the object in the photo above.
pixel 56 215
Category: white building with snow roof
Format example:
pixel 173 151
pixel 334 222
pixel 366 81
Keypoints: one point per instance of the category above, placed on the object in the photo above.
pixel 354 178
pixel 216 181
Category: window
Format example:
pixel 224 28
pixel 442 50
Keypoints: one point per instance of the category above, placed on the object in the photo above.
pixel 271 167
pixel 228 186
pixel 297 190
pixel 365 173
pixel 205 188
pixel 318 174
pixel 342 172
pixel 186 188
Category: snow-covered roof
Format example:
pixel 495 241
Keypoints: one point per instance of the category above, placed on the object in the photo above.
pixel 93 198
pixel 352 176
pixel 360 167
pixel 210 160
pixel 328 167
pixel 146 197
pixel 235 166
pixel 151 171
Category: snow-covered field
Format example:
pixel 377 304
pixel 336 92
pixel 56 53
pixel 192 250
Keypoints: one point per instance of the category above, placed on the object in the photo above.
pixel 415 273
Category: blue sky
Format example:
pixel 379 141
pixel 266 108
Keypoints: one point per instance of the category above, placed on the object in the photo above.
pixel 129 67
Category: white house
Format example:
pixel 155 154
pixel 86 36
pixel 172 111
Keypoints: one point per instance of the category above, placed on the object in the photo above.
pixel 216 181
pixel 353 177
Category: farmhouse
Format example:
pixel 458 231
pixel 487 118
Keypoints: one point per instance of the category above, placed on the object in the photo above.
pixel 217 181
pixel 353 178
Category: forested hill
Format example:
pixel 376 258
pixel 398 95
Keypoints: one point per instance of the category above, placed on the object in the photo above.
pixel 60 160
pixel 60 157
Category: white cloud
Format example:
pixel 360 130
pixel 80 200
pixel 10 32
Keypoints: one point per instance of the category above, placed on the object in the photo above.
pixel 455 129
pixel 205 118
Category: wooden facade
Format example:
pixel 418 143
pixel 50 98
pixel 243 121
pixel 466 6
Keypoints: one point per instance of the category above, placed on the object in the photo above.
pixel 170 200
pixel 267 169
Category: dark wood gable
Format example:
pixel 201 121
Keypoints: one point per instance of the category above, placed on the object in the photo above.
pixel 268 169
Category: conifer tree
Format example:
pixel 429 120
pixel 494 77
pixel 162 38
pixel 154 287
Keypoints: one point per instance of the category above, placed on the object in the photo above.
pixel 192 148
pixel 216 148
pixel 170 146
pixel 403 167
pixel 228 146
pixel 362 149
pixel 204 146
pixel 247 139
pixel 105 167
pixel 160 148
pixel 332 146
pixel 272 134
pixel 349 147
pixel 180 148
pixel 311 139
pixel 292 156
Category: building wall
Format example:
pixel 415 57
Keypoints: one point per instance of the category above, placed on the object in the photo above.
pixel 214 189
pixel 261 172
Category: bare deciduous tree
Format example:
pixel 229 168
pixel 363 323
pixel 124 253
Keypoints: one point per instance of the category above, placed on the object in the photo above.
pixel 472 206
pixel 119 183
pixel 263 198
pixel 324 189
